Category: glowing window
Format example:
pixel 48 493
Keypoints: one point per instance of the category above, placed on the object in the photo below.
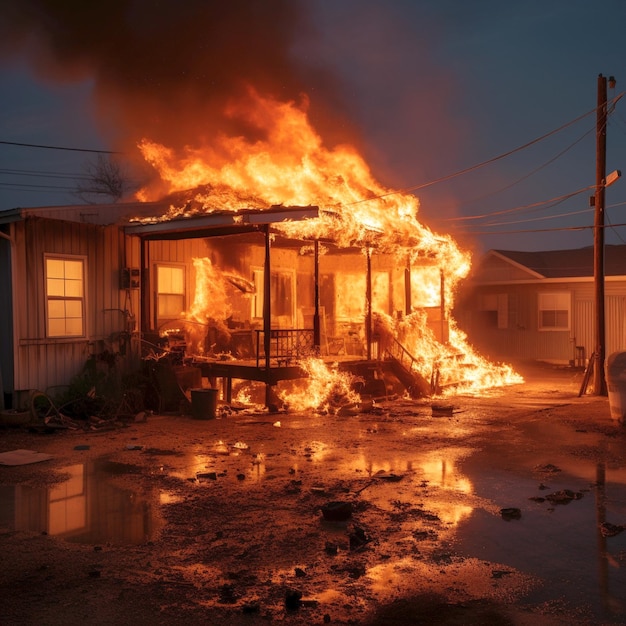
pixel 65 297
pixel 282 292
pixel 170 291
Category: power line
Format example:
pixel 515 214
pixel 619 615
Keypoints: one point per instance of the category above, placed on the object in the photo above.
pixel 31 187
pixel 483 163
pixel 534 205
pixel 34 145
pixel 42 174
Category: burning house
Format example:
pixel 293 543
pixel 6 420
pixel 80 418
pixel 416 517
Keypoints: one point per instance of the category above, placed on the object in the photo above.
pixel 340 271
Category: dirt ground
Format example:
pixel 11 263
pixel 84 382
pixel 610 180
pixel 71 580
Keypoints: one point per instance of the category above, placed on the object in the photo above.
pixel 222 521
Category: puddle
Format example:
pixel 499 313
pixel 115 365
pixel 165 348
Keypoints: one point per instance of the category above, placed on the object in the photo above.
pixel 86 508
pixel 559 543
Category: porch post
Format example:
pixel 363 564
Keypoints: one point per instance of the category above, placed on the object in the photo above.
pixel 442 297
pixel 145 287
pixel 317 339
pixel 368 318
pixel 407 287
pixel 267 313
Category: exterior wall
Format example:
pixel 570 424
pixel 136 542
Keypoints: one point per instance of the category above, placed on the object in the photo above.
pixel 42 363
pixel 6 321
pixel 520 338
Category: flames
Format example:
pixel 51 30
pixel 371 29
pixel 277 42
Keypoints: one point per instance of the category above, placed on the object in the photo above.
pixel 288 164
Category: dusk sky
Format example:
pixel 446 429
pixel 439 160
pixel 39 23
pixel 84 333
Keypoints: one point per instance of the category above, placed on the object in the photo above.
pixel 425 89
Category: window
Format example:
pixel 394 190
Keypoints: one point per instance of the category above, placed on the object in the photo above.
pixel 554 311
pixel 65 296
pixel 495 310
pixel 282 287
pixel 350 296
pixel 170 291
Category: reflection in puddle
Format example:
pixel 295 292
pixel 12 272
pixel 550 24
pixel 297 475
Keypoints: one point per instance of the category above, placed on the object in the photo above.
pixel 85 508
pixel 562 544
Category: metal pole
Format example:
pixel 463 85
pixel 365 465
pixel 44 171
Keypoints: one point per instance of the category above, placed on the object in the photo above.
pixel 599 381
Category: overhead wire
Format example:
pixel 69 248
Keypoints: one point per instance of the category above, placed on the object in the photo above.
pixel 49 147
pixel 483 163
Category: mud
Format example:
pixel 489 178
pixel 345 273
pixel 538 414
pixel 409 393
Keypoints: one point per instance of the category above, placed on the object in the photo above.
pixel 503 509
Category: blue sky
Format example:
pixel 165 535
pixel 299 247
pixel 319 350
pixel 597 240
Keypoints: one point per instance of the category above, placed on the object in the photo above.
pixel 427 88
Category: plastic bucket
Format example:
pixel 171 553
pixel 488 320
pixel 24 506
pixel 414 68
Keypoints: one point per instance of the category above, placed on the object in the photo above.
pixel 203 403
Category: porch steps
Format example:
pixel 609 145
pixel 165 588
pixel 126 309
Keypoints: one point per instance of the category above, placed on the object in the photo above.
pixel 404 366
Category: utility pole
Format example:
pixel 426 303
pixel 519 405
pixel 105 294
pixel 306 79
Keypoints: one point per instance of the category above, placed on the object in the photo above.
pixel 599 380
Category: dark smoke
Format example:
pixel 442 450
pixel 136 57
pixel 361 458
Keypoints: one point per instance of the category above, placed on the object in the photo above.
pixel 165 69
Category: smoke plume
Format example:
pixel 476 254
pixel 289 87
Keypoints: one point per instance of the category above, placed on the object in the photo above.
pixel 167 69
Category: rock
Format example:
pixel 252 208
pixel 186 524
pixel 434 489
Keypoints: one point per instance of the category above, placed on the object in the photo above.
pixel 565 496
pixel 510 513
pixel 337 511
pixel 292 599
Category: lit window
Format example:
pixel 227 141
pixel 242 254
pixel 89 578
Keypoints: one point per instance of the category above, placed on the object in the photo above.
pixel 65 297
pixel 350 303
pixel 170 291
pixel 282 287
pixel 554 311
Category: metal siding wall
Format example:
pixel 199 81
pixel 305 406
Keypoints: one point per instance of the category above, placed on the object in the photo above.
pixel 614 315
pixel 43 363
pixel 583 325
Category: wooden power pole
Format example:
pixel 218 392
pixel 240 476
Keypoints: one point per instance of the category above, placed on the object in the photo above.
pixel 599 380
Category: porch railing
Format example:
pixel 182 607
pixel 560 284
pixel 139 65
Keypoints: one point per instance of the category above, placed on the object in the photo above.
pixel 286 345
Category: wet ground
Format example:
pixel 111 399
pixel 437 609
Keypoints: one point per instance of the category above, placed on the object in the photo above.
pixel 501 509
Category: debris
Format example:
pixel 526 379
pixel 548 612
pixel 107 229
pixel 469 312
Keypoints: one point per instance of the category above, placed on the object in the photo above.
pixel 293 599
pixel 358 538
pixel 12 417
pixel 439 410
pixel 23 457
pixel 510 513
pixel 251 607
pixel 227 594
pixel 209 475
pixel 565 496
pixel 548 468
pixel 277 424
pixel 337 511
pixel 610 530
pixel 131 446
pixel 389 476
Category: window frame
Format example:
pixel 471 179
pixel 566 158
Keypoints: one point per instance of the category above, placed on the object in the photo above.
pixel 160 319
pixel 543 295
pixel 256 302
pixel 49 298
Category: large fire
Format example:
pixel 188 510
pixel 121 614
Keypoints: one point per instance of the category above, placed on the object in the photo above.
pixel 289 165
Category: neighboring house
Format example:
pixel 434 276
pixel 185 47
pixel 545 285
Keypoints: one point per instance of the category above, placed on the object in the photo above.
pixel 92 282
pixel 541 305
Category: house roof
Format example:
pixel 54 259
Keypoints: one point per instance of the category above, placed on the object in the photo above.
pixel 145 218
pixel 572 263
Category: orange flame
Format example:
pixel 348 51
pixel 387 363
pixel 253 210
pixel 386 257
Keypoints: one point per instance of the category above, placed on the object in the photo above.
pixel 326 388
pixel 291 166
